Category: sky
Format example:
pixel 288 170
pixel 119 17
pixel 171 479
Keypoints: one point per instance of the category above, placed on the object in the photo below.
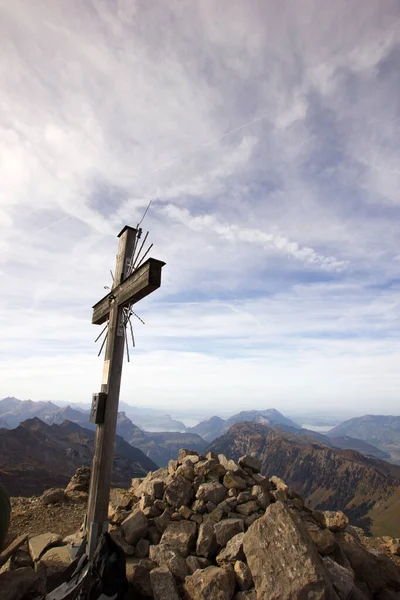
pixel 266 135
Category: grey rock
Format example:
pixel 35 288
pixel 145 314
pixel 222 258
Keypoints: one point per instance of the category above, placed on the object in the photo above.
pixel 196 562
pixel 212 491
pixel 134 527
pixel 169 557
pixel 142 548
pixel 250 462
pixel 233 551
pixel 164 520
pixel 138 576
pixel 163 584
pixel 247 509
pixel 335 520
pixel 180 536
pixel 183 453
pixel 186 472
pixel 212 583
pixel 282 558
pixel 53 495
pixel 261 496
pixel 231 480
pixel 40 543
pixel 179 492
pixel 172 466
pixel 225 530
pixel 244 497
pixel 243 574
pixel 342 579
pixel 229 465
pixel 206 541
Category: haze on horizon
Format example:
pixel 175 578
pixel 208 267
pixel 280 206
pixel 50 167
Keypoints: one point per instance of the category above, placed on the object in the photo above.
pixel 266 136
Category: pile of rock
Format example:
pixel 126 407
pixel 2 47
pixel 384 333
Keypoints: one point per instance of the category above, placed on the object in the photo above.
pixel 208 528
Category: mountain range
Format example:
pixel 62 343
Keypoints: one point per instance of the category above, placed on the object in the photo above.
pixel 368 489
pixel 35 456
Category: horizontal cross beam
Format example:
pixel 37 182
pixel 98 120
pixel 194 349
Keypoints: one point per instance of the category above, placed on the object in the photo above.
pixel 139 284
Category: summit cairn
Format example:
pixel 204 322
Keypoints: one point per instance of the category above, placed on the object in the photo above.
pixel 210 528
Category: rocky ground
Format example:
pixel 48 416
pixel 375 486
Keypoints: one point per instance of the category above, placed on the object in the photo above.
pixel 207 528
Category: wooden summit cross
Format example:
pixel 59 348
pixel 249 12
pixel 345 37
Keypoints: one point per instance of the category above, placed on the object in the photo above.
pixel 128 288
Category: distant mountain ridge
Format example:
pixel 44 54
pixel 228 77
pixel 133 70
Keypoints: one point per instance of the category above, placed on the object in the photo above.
pixel 383 431
pixel 368 489
pixel 35 456
pixel 215 427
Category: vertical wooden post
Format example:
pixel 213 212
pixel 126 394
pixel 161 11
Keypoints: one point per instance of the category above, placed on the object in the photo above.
pixel 99 493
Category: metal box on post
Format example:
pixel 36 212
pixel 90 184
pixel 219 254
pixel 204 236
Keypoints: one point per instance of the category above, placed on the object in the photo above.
pixel 98 408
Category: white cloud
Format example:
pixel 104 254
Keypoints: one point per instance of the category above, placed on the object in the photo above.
pixel 266 140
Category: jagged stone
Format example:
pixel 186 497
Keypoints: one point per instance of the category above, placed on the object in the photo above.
pixel 17 584
pixel 212 455
pixel 54 495
pixel 278 484
pixel 212 583
pixel 134 527
pixel 393 545
pixel 234 481
pixel 248 521
pixel 371 567
pixel 261 495
pixel 119 539
pixel 181 536
pixel 198 480
pixel 204 467
pixel 335 520
pixel 342 579
pixel 183 453
pixel 210 506
pixel 225 530
pixel 54 562
pixel 165 556
pixel 176 516
pixel 282 558
pixel 258 478
pixel 79 482
pixel 206 541
pixel 212 491
pixel 186 512
pixel 196 519
pixel 172 466
pixel 216 473
pixel 199 506
pixel 233 551
pixel 135 484
pixel 229 465
pixel 186 472
pixel 179 492
pixel 196 562
pixel 244 497
pixel 191 460
pixel 324 540
pixel 250 462
pixel 232 493
pixel 247 509
pixel 243 574
pixel 138 576
pixel 40 543
pixel 232 502
pixel 163 520
pixel 163 584
pixel 142 548
pixel 120 499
